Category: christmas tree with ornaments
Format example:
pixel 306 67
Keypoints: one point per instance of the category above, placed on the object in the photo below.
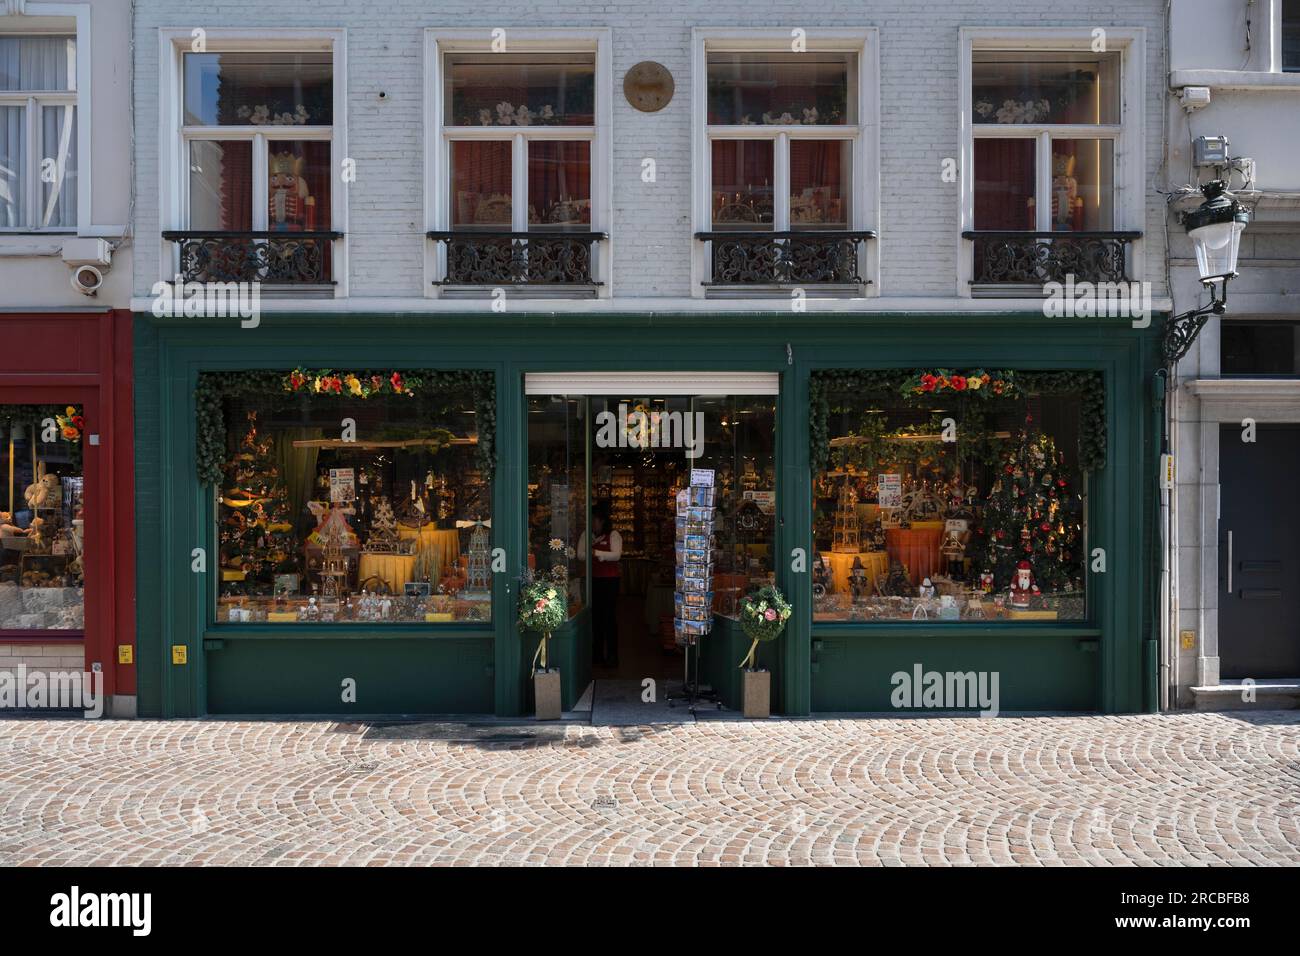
pixel 257 538
pixel 1031 514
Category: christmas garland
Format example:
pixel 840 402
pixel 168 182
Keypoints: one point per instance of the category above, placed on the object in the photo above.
pixel 330 385
pixel 886 384
pixel 68 420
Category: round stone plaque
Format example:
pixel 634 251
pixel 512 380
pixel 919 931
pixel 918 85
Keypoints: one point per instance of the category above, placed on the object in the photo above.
pixel 648 86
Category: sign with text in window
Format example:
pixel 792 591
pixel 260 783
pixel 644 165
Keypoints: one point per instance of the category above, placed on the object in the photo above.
pixel 889 490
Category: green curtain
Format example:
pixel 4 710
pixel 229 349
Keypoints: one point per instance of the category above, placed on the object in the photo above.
pixel 298 467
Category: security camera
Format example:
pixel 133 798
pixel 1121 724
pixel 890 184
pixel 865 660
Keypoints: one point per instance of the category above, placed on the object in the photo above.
pixel 87 279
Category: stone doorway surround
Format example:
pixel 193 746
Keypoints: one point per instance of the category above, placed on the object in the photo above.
pixel 1221 401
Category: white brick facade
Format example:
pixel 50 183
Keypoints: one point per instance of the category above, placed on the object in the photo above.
pixel 919 126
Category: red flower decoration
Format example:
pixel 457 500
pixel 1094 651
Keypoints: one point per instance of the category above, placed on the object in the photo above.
pixel 396 380
pixel 78 421
pixel 1044 527
pixel 928 382
pixel 959 382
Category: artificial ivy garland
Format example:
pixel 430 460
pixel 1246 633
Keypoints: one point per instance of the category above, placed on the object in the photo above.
pixel 1090 386
pixel 331 385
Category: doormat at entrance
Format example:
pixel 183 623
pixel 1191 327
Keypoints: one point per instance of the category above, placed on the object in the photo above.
pixel 479 734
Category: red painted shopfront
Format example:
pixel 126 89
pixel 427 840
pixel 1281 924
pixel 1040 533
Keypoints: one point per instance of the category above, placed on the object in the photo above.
pixel 67 561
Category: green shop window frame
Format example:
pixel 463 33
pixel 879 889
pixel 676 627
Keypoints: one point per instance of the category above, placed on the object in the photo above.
pixel 216 389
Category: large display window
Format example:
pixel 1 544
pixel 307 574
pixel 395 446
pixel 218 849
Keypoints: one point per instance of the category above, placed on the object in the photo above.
pixel 42 519
pixel 352 497
pixel 953 495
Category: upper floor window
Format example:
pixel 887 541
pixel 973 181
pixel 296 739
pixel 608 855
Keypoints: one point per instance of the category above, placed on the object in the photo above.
pixel 515 103
pixel 518 191
pixel 1045 128
pixel 1047 171
pixel 781 117
pixel 38 133
pixel 784 150
pixel 257 143
pixel 1291 36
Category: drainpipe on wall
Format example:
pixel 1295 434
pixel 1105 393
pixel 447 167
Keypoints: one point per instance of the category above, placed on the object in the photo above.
pixel 1168 663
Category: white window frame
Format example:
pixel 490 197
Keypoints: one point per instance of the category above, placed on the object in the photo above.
pixel 1129 201
pixel 438 137
pixel 864 173
pixel 175 138
pixel 58 19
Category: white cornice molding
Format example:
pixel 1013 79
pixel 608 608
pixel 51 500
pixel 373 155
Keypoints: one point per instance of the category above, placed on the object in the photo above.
pixel 1241 81
pixel 1232 399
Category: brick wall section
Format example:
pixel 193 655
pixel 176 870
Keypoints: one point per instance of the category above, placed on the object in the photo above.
pixel 63 656
pixel 651 222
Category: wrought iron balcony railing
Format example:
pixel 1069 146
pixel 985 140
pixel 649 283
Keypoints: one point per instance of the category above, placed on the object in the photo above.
pixel 534 258
pixel 1034 258
pixel 784 258
pixel 274 258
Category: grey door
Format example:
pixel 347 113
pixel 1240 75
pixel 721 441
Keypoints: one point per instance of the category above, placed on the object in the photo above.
pixel 1259 571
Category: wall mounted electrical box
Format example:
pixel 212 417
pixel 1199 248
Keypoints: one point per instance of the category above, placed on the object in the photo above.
pixel 1210 151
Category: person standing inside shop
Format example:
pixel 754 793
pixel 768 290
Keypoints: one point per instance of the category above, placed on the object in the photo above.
pixel 607 549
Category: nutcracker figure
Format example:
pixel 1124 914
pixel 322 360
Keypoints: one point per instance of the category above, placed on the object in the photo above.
pixel 290 205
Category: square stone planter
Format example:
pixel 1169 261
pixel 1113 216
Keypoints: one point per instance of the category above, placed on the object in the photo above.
pixel 758 695
pixel 546 693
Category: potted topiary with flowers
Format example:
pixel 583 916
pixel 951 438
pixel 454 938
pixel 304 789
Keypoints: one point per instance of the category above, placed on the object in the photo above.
pixel 762 617
pixel 543 607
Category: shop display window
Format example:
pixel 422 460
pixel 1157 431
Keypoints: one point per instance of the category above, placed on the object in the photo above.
pixel 42 526
pixel 557 492
pixel 740 446
pixel 951 496
pixel 351 509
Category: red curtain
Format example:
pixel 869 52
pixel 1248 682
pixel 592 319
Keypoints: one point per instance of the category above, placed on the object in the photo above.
pixel 480 170
pixel 1004 183
pixel 237 186
pixel 559 173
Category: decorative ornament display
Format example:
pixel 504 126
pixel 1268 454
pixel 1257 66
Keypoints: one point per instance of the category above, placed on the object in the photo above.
pixel 366 384
pixel 383 528
pixel 425 386
pixel 478 573
pixel 848 533
pixel 977 382
pixel 885 385
pixel 1023 590
pixel 1025 519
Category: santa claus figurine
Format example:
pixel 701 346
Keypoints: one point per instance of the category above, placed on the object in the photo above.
pixel 1023 589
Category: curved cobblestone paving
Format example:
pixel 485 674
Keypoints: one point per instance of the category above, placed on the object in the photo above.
pixel 1199 788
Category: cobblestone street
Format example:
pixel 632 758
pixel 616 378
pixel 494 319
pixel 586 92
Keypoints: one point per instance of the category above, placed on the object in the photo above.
pixel 1196 789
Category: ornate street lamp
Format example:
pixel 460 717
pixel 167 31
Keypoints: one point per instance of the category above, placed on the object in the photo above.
pixel 1215 230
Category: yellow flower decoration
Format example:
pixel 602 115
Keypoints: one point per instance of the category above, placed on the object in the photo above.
pixel 354 384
